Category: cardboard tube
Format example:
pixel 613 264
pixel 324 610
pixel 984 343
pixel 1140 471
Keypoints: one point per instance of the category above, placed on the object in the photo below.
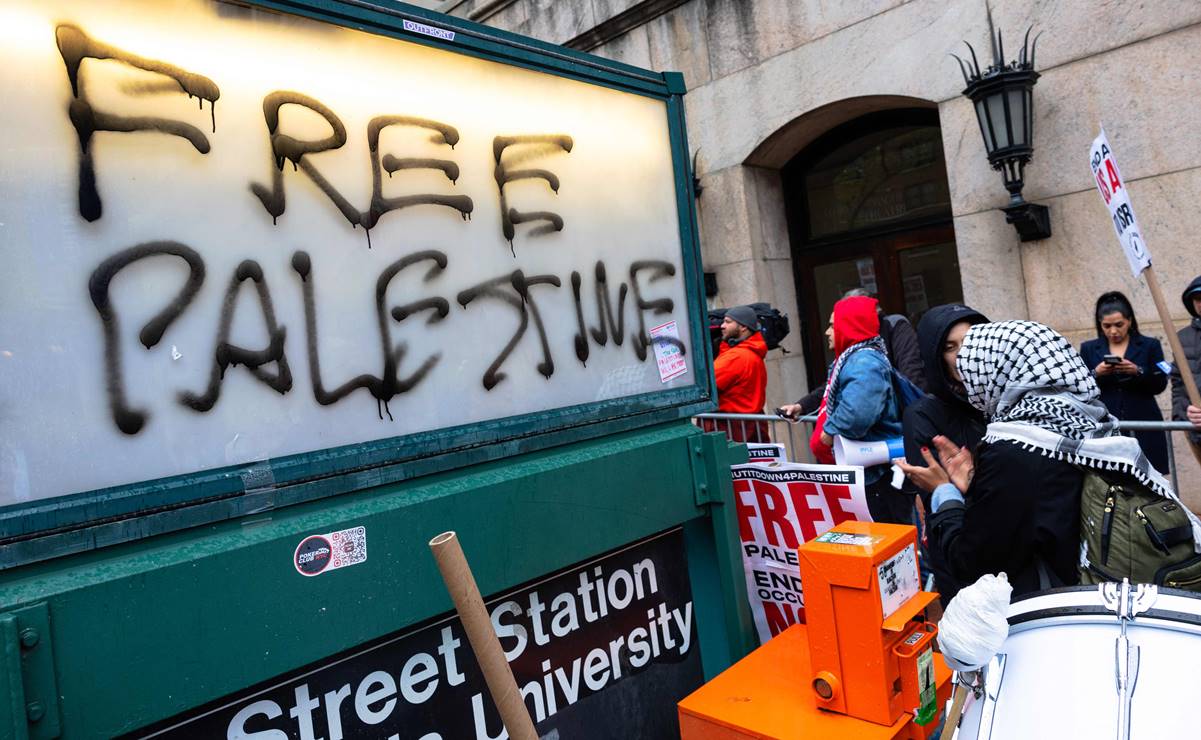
pixel 460 583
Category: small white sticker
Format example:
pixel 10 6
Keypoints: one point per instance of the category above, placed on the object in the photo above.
pixel 846 538
pixel 915 638
pixel 421 28
pixel 321 553
pixel 669 351
pixel 899 580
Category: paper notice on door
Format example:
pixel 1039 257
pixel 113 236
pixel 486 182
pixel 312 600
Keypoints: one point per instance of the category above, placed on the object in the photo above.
pixel 669 351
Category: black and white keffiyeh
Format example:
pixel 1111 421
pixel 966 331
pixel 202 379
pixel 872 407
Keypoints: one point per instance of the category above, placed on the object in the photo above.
pixel 1034 390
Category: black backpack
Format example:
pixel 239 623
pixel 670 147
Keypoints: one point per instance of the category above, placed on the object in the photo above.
pixel 772 324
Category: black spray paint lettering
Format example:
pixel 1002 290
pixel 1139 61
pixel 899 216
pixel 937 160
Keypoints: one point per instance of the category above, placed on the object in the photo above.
pixel 660 270
pixel 285 147
pixel 380 205
pixel 74 45
pixel 523 303
pixel 514 289
pixel 288 148
pixel 388 385
pixel 227 354
pixel 127 419
pixel 606 323
pixel 521 149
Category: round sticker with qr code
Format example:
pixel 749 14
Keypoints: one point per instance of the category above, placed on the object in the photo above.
pixel 323 553
pixel 313 555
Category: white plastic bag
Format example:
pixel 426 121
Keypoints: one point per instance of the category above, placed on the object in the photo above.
pixel 974 626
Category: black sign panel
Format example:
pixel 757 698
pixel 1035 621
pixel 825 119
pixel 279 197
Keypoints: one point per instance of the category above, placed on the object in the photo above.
pixel 603 649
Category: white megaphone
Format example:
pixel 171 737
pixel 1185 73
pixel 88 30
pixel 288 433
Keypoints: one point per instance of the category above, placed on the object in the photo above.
pixel 867 454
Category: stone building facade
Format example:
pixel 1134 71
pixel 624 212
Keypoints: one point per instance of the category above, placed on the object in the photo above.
pixel 816 128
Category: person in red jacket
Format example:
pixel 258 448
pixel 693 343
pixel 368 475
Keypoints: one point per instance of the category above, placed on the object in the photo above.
pixel 741 375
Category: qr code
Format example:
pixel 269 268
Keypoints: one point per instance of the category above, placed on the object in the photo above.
pixel 349 546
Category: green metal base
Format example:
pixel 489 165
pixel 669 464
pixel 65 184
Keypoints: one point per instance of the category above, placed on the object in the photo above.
pixel 145 630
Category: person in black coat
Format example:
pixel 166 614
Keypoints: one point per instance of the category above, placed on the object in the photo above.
pixel 1128 386
pixel 946 410
pixel 1014 505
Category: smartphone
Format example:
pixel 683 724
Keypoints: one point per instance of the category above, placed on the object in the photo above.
pixel 1112 360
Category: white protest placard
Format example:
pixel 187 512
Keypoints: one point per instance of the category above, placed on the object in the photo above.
pixel 780 506
pixel 1113 191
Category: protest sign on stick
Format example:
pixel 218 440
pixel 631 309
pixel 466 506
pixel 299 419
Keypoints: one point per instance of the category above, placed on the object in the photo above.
pixel 780 506
pixel 1112 187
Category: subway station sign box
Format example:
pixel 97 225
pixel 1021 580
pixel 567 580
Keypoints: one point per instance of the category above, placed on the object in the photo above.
pixel 254 257
pixel 601 649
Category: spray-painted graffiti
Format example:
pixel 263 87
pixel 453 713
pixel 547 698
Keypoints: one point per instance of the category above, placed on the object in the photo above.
pixel 74 45
pixel 509 151
pixel 287 148
pixel 528 295
pixel 515 289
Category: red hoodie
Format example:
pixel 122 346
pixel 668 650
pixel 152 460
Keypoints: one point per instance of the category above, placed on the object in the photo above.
pixel 855 319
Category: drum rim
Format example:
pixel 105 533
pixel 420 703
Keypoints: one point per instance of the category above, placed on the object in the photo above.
pixel 1020 611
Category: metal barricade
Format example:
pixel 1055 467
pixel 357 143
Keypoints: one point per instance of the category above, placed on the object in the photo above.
pixel 1167 427
pixel 746 427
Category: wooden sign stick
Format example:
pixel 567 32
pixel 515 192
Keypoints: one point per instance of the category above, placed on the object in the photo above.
pixel 1178 358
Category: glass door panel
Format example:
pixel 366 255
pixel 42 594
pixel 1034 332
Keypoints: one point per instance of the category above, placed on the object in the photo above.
pixel 831 281
pixel 929 276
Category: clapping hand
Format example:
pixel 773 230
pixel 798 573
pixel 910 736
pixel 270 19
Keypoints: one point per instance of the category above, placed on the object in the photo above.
pixel 954 465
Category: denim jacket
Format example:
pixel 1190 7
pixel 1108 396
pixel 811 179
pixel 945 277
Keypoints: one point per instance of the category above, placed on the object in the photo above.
pixel 865 404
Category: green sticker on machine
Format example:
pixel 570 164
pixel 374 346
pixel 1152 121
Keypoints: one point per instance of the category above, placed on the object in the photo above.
pixel 846 538
pixel 927 694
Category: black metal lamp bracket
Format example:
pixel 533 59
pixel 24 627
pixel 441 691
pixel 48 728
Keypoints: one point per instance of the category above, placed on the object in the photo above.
pixel 1032 221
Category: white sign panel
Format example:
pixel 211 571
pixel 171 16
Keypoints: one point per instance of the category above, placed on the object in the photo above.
pixel 899 580
pixel 779 506
pixel 1113 191
pixel 235 235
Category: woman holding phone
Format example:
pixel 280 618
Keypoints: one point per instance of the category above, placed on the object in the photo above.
pixel 1126 365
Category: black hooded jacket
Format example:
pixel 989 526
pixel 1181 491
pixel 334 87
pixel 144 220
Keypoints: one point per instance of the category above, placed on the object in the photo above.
pixel 1190 340
pixel 943 412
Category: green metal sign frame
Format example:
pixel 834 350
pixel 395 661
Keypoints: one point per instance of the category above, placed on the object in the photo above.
pixel 84 521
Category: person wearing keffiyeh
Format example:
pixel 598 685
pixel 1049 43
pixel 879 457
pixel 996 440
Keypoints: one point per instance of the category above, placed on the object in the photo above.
pixel 1014 505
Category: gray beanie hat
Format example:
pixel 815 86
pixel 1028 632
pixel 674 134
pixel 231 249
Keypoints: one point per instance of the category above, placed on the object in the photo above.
pixel 746 316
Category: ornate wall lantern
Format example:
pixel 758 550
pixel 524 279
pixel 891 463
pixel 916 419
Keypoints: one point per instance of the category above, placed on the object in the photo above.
pixel 1003 97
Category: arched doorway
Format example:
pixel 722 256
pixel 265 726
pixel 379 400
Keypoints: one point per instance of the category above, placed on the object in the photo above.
pixel 868 206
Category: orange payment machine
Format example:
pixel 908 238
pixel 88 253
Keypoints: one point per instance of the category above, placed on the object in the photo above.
pixel 863 666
